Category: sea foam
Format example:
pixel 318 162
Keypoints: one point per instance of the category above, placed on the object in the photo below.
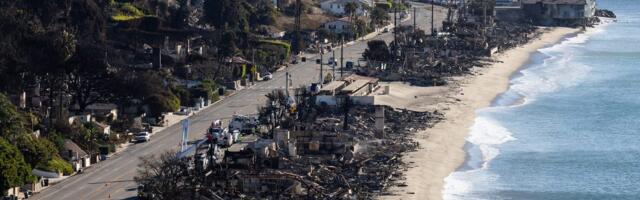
pixel 555 70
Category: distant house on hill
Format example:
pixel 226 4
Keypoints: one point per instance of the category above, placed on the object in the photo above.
pixel 559 12
pixel 339 26
pixel 337 7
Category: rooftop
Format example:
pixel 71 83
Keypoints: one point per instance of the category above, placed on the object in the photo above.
pixel 77 151
pixel 355 85
pixel 332 86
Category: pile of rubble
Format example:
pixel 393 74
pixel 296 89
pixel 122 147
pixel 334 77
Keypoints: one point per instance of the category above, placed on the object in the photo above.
pixel 327 162
pixel 461 47
pixel 463 42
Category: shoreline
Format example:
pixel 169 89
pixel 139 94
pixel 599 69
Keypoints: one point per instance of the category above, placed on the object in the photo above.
pixel 442 147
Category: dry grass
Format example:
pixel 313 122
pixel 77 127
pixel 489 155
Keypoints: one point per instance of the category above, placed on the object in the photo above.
pixel 311 20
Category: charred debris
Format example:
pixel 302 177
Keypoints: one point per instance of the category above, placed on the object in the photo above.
pixel 467 38
pixel 302 151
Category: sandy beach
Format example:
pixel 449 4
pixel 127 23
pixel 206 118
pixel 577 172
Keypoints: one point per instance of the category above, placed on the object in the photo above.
pixel 442 149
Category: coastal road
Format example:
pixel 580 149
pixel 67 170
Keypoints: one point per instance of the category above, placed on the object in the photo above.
pixel 113 178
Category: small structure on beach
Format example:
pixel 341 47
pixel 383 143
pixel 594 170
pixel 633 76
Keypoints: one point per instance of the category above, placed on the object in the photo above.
pixel 559 12
pixel 359 89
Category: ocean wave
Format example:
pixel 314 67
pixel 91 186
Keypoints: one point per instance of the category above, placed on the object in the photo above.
pixel 558 69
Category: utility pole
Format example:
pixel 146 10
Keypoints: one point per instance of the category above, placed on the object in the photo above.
pixel 414 19
pixel 433 30
pixel 287 76
pixel 333 65
pixel 484 13
pixel 341 56
pixel 321 60
pixel 253 65
pixel 395 21
pixel 297 26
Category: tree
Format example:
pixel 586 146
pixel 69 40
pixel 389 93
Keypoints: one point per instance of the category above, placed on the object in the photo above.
pixel 162 102
pixel 229 14
pixel 88 77
pixel 211 90
pixel 264 14
pixel 11 122
pixel 183 94
pixel 361 27
pixel 377 50
pixel 379 16
pixel 166 176
pixel 14 171
pixel 37 152
pixel 90 19
pixel 351 8
pixel 228 44
pixel 180 16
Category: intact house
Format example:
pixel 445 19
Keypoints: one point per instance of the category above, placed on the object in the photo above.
pixel 337 7
pixel 358 89
pixel 106 110
pixel 339 26
pixel 103 128
pixel 559 12
pixel 78 158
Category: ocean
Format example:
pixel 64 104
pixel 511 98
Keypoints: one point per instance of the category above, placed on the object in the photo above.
pixel 569 125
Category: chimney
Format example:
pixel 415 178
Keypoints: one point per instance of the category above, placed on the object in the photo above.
pixel 379 123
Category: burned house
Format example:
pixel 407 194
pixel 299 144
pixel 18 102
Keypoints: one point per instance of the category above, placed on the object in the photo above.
pixel 559 12
pixel 359 89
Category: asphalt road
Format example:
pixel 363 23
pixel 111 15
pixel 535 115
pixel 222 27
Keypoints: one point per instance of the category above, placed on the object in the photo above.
pixel 113 178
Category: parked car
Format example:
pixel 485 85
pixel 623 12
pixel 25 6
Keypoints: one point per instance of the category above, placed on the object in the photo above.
pixel 143 136
pixel 267 76
pixel 332 61
pixel 385 30
pixel 318 61
pixel 349 65
pixel 184 111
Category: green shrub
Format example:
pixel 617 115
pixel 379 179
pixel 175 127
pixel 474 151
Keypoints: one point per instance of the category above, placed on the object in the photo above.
pixel 57 164
pixel 282 44
pixel 125 11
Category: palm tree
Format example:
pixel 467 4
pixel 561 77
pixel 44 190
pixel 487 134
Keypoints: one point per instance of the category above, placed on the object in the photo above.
pixel 379 16
pixel 351 8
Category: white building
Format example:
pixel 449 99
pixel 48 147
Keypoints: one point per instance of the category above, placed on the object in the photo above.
pixel 339 26
pixel 337 7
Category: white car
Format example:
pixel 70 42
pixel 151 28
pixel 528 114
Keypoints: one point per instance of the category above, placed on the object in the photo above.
pixel 143 136
pixel 267 76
